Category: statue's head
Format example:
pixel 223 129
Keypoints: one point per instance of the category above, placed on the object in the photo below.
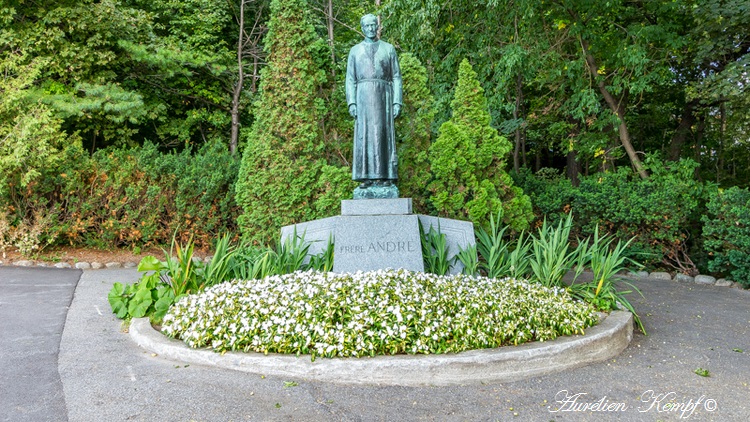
pixel 369 25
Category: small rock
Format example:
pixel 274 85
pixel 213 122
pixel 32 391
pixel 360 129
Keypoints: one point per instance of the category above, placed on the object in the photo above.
pixel 97 265
pixel 113 265
pixel 683 278
pixel 660 276
pixel 208 259
pixel 723 282
pixel 42 264
pixel 62 265
pixel 705 279
pixel 641 274
pixel 737 285
pixel 23 263
pixel 130 265
pixel 83 265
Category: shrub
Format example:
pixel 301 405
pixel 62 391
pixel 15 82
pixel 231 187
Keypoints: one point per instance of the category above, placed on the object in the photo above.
pixel 373 313
pixel 467 162
pixel 284 177
pixel 414 130
pixel 130 196
pixel 727 233
pixel 662 213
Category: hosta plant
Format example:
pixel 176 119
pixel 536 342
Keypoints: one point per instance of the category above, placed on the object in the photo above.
pixel 373 313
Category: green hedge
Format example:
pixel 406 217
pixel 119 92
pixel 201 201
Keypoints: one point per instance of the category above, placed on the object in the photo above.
pixel 128 196
pixel 726 233
pixel 661 212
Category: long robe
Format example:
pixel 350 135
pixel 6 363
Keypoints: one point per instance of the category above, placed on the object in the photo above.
pixel 373 83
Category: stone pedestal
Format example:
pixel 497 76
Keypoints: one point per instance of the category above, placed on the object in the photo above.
pixel 377 234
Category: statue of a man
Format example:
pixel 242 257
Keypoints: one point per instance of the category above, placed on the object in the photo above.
pixel 373 93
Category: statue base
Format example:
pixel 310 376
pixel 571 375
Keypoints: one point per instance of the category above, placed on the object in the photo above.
pixel 376 192
pixel 379 234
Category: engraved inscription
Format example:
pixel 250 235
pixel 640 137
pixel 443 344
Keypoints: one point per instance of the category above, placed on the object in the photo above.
pixel 381 247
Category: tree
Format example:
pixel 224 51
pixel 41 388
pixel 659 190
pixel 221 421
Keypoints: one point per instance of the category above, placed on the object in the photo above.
pixel 31 138
pixel 413 129
pixel 468 160
pixel 283 178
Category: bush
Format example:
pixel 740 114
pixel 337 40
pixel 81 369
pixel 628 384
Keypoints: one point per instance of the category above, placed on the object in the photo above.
pixel 727 233
pixel 285 177
pixel 130 196
pixel 662 212
pixel 373 313
pixel 467 161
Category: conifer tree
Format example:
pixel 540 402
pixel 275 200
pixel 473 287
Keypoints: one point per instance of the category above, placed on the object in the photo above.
pixel 468 160
pixel 414 128
pixel 284 177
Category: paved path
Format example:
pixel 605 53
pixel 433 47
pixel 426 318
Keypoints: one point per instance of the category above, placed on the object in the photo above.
pixel 106 377
pixel 33 305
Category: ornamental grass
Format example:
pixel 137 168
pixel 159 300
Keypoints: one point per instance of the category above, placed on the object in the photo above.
pixel 374 313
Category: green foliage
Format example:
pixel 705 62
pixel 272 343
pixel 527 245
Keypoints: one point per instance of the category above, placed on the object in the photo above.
pixel 661 213
pixel 605 262
pixel 501 257
pixel 435 251
pixel 726 231
pixel 129 196
pixel 283 178
pixel 165 282
pixel 467 161
pixel 414 132
pixel 469 259
pixel 148 297
pixel 551 256
pixel 324 261
pixel 31 138
pixel 547 257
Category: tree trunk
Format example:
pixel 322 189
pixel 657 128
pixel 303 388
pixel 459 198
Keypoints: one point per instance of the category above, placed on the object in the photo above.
pixel 235 135
pixel 720 149
pixel 618 108
pixel 699 144
pixel 330 38
pixel 573 168
pixel 683 130
pixel 517 146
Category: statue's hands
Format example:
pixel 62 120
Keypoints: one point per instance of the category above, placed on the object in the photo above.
pixel 353 110
pixel 396 110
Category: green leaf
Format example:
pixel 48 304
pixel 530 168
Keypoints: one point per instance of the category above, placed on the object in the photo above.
pixel 140 304
pixel 116 293
pixel 151 263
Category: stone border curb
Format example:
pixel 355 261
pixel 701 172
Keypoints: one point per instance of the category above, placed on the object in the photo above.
pixel 505 364
pixel 80 265
pixel 705 280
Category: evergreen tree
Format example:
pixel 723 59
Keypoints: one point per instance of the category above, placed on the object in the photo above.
pixel 468 160
pixel 284 177
pixel 413 129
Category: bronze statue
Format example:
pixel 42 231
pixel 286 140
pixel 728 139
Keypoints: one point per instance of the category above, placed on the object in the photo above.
pixel 373 93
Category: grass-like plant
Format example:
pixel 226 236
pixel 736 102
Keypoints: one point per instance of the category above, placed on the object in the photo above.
pixel 551 256
pixel 493 248
pixel 469 259
pixel 374 313
pixel 605 262
pixel 324 260
pixel 435 251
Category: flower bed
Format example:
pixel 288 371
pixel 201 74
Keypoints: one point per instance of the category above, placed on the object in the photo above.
pixel 373 313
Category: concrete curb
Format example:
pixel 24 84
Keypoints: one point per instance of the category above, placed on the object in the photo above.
pixel 506 364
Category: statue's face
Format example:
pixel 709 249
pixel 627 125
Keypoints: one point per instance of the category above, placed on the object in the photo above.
pixel 370 27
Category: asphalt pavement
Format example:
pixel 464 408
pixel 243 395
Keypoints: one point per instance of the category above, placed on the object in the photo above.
pixel 106 377
pixel 33 306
